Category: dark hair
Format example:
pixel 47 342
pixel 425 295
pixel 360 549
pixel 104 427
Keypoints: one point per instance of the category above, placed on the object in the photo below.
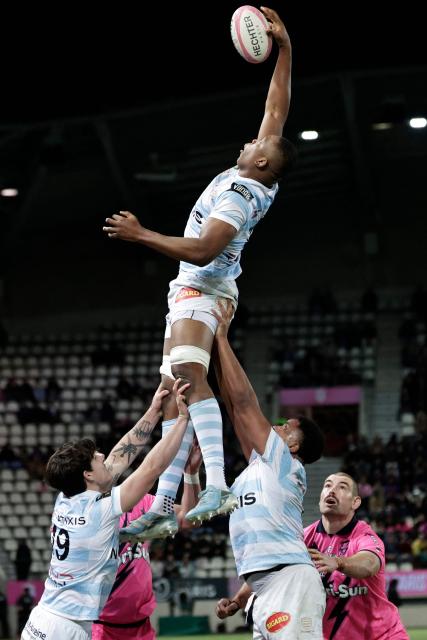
pixel 64 470
pixel 289 156
pixel 313 442
pixel 354 487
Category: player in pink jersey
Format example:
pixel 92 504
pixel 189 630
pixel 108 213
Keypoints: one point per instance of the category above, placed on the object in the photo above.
pixel 350 558
pixel 126 614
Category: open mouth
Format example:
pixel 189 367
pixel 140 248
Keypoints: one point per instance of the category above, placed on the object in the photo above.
pixel 330 501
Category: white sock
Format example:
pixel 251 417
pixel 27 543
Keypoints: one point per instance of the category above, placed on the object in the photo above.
pixel 170 479
pixel 207 421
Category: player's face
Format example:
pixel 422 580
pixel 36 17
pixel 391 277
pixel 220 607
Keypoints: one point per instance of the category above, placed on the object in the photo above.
pixel 289 432
pixel 253 150
pixel 100 475
pixel 337 496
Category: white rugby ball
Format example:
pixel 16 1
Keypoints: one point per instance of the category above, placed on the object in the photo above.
pixel 248 32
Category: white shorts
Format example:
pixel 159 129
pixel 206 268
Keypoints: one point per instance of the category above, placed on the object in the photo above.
pixel 290 605
pixel 188 302
pixel 45 625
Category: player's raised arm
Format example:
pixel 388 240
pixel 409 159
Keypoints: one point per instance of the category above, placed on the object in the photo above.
pixel 133 442
pixel 279 92
pixel 251 426
pixel 160 456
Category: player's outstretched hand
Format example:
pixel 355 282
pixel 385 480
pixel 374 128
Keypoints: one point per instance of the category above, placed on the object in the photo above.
pixel 323 562
pixel 123 226
pixel 194 459
pixel 179 390
pixel 276 27
pixel 224 314
pixel 158 398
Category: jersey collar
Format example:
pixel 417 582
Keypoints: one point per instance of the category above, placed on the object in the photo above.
pixel 342 532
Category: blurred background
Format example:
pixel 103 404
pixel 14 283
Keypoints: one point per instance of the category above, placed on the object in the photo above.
pixel 139 109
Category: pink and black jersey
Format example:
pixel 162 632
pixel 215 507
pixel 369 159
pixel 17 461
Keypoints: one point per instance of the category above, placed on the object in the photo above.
pixel 131 600
pixel 356 609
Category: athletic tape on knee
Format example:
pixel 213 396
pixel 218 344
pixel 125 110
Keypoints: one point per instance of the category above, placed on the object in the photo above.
pixel 165 368
pixel 187 353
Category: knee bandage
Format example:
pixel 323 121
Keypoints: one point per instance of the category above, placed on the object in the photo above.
pixel 187 353
pixel 165 368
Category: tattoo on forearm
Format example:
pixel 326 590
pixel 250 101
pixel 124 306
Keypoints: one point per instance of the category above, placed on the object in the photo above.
pixel 128 449
pixel 143 430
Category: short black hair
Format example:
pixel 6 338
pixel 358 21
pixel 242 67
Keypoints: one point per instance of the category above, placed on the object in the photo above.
pixel 313 442
pixel 289 156
pixel 65 467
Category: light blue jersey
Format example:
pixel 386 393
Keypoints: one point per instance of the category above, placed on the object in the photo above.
pixel 241 202
pixel 85 544
pixel 266 530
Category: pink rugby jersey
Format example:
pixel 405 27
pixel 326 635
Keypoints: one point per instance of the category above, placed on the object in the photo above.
pixel 356 609
pixel 131 598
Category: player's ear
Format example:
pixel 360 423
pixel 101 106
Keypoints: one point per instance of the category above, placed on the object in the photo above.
pixel 261 162
pixel 357 501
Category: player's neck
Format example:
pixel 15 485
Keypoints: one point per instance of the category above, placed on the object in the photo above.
pixel 265 180
pixel 332 524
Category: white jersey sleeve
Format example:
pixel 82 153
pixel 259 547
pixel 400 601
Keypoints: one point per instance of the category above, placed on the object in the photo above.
pixel 231 208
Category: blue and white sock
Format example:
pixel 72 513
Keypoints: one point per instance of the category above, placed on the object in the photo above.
pixel 207 421
pixel 170 479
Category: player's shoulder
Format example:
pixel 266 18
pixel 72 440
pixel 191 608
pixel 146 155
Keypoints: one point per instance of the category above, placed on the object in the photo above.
pixel 241 189
pixel 363 528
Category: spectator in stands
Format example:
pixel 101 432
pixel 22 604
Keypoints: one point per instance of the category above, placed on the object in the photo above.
pixel 8 457
pixel 419 302
pixel 393 594
pixel 421 423
pixel 86 518
pixel 124 389
pixel 126 614
pixel 4 336
pixel 24 605
pixel 23 560
pixel 107 412
pixel 419 550
pixel 4 616
pixel 219 226
pixel 322 301
pixel 350 558
pixel 369 300
pixel 53 390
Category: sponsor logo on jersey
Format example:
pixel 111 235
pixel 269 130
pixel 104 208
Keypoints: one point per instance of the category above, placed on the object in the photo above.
pixel 135 552
pixel 343 548
pixel 345 591
pixel 198 217
pixel 187 292
pixel 36 633
pixel 72 520
pixel 240 188
pixel 277 621
pixel 247 499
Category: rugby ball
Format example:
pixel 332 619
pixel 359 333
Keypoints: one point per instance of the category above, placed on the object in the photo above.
pixel 248 32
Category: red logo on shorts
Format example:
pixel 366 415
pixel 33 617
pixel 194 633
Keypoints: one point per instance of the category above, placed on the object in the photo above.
pixel 277 621
pixel 187 292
